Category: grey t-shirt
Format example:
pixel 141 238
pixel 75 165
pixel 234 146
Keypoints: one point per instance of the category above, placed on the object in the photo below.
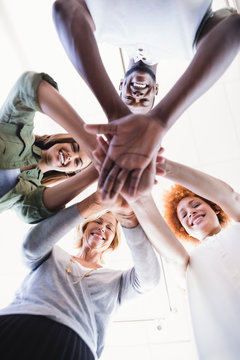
pixel 8 180
pixel 85 307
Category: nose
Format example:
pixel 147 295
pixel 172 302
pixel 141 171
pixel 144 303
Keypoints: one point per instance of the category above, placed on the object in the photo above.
pixel 191 212
pixel 101 228
pixel 137 94
pixel 69 156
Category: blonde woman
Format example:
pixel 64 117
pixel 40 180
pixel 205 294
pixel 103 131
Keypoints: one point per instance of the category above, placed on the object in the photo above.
pixel 65 303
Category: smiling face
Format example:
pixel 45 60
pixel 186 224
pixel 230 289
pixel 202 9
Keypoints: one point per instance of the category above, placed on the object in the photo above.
pixel 65 157
pixel 138 90
pixel 197 217
pixel 100 233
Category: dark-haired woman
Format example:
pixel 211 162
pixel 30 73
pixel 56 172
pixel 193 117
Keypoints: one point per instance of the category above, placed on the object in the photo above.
pixel 28 161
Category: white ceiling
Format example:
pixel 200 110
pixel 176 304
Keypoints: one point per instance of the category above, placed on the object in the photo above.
pixel 207 137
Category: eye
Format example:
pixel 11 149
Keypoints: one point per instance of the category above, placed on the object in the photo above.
pixel 195 205
pixel 77 162
pixel 98 221
pixel 145 101
pixel 129 100
pixel 184 215
pixel 109 228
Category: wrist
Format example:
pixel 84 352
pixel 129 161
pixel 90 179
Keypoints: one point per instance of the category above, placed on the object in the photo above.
pixel 117 111
pixel 127 220
pixel 89 206
pixel 171 170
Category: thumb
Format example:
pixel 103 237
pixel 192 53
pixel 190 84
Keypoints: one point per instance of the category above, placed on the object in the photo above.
pixel 110 129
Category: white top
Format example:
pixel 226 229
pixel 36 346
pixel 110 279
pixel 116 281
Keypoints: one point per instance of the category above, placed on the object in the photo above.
pixel 161 28
pixel 213 281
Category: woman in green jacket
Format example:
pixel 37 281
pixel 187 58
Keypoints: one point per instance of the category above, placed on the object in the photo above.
pixel 28 161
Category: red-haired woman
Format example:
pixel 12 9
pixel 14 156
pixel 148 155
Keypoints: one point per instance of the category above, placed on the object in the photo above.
pixel 198 210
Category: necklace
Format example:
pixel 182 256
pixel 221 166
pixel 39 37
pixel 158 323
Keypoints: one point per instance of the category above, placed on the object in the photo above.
pixel 69 271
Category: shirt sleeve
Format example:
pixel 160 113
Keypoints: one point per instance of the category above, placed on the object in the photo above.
pixel 145 274
pixel 22 103
pixel 31 209
pixel 40 239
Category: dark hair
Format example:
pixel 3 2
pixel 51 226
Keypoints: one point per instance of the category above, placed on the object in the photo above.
pixel 44 142
pixel 171 200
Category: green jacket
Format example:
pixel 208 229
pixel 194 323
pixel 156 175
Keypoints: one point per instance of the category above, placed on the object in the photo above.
pixel 17 149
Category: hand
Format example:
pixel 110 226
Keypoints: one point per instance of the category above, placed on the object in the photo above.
pixel 121 210
pixel 147 179
pixel 135 140
pixel 161 167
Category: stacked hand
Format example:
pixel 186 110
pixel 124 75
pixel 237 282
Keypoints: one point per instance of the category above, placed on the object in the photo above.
pixel 135 140
pixel 145 184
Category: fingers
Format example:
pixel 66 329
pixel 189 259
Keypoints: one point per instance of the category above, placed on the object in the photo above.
pixel 161 150
pixel 160 171
pixel 135 178
pixel 119 183
pixel 160 160
pixel 103 144
pixel 106 168
pixel 109 129
pixel 115 182
pixel 109 182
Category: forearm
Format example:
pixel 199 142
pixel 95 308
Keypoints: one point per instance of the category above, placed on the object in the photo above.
pixel 158 232
pixel 75 29
pixel 215 53
pixel 59 195
pixel 127 220
pixel 204 185
pixel 55 106
pixel 146 272
pixel 40 239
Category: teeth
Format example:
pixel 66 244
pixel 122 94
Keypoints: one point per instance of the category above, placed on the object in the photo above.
pixel 100 237
pixel 141 86
pixel 61 157
pixel 197 219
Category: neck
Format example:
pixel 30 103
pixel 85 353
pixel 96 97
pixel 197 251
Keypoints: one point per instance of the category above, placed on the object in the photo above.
pixel 212 232
pixel 89 258
pixel 43 164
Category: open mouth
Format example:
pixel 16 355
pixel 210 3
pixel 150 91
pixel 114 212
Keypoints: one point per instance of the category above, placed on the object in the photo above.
pixel 61 157
pixel 98 235
pixel 197 219
pixel 139 86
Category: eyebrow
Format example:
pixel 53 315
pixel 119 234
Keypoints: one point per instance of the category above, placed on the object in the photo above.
pixel 139 104
pixel 109 222
pixel 76 147
pixel 189 203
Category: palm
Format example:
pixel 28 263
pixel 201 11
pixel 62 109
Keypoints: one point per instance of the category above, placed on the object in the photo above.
pixel 135 142
pixel 145 184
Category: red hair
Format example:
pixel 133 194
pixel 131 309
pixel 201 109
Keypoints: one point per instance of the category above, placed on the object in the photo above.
pixel 171 200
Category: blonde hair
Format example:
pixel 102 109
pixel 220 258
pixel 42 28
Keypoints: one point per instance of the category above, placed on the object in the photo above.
pixel 82 227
